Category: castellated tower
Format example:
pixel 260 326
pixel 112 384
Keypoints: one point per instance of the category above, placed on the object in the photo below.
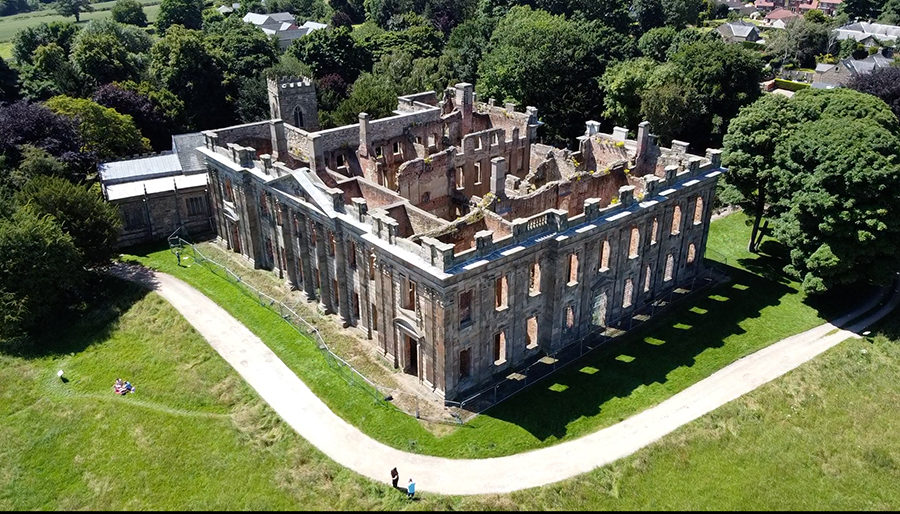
pixel 293 99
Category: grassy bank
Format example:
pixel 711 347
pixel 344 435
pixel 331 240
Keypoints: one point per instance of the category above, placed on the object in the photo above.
pixel 758 307
pixel 195 436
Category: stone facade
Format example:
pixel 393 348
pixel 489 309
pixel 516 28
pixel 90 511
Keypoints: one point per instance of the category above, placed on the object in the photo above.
pixel 451 239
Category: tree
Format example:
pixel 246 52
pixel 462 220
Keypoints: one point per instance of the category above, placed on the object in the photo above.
pixel 823 168
pixel 673 106
pixel 567 56
pixel 187 13
pixel 39 264
pixel 624 85
pixel 242 48
pixel 106 51
pixel 105 133
pixel 863 10
pixel 27 123
pixel 801 41
pixel 331 51
pixel 36 162
pixel 890 13
pixel 466 44
pixel 182 63
pixel 649 14
pixel 749 145
pixel 726 77
pixel 655 43
pixel 92 222
pixel 148 119
pixel 73 8
pixel 317 10
pixel 840 226
pixel 9 83
pixel 27 40
pixel 130 12
pixel 371 94
pixel 681 13
pixel 51 73
pixel 815 16
pixel 883 83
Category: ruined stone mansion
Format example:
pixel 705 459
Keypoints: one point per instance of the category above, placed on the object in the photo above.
pixel 448 236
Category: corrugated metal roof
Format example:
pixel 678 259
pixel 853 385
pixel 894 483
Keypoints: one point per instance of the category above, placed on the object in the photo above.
pixel 154 185
pixel 135 169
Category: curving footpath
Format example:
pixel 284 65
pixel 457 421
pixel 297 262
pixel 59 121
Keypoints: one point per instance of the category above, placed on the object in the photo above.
pixel 348 446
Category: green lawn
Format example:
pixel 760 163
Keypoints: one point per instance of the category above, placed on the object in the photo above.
pixel 194 436
pixel 712 330
pixel 10 25
pixel 6 50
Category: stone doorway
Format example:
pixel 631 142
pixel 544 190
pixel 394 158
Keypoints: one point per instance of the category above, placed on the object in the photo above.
pixel 412 346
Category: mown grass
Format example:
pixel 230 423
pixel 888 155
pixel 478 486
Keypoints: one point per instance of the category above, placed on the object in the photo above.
pixel 195 437
pixel 699 338
pixel 10 25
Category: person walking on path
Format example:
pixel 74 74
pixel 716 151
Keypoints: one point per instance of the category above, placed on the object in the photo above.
pixel 395 477
pixel 411 489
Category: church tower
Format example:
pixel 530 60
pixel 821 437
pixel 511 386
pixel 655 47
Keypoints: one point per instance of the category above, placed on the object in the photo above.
pixel 293 99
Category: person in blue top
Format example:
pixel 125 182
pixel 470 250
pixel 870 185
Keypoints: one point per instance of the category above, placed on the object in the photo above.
pixel 411 489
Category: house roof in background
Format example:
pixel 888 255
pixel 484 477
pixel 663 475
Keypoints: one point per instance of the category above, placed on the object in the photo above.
pixel 781 14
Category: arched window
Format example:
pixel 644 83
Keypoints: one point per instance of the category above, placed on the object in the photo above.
pixel 298 117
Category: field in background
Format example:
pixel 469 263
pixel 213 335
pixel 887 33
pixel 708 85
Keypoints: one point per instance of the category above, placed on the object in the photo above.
pixel 10 25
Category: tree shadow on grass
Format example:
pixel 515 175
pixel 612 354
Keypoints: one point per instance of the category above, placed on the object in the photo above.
pixel 769 262
pixel 620 367
pixel 92 319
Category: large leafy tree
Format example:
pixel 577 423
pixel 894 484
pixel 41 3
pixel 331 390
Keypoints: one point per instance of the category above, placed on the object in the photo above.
pixel 73 8
pixel 242 48
pixel 749 147
pixel 538 59
pixel 27 40
pixel 883 83
pixel 187 13
pixel 371 94
pixel 105 133
pixel 864 10
pixel 107 51
pixel 648 14
pixel 890 13
pixel 655 43
pixel 801 41
pixel 39 264
pixel 624 85
pixel 9 83
pixel 92 222
pixel 146 116
pixel 51 73
pixel 130 12
pixel 466 44
pixel 823 168
pixel 27 123
pixel 331 51
pixel 840 224
pixel 182 63
pixel 725 77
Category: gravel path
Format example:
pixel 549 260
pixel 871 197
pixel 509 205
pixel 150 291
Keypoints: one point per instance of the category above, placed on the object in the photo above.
pixel 348 446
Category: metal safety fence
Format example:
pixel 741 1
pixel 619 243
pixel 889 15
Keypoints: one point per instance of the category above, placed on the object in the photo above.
pixel 539 367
